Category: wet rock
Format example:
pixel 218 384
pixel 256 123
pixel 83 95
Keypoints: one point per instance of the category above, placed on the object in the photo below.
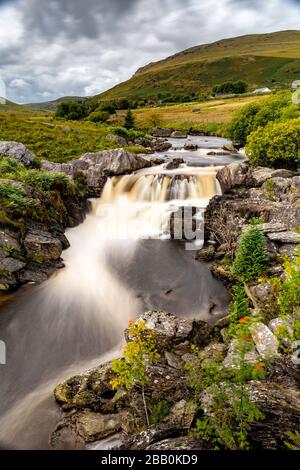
pixel 9 241
pixel 162 132
pixel 162 146
pixel 174 163
pixel 154 160
pixel 232 176
pixel 284 237
pixel 230 147
pixel 42 246
pixel 265 341
pixel 190 146
pixel 178 135
pixel 206 253
pixel 17 151
pixel 11 265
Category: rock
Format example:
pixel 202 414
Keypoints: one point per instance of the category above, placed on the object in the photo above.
pixel 279 187
pixel 11 265
pixel 229 147
pixel 266 343
pixel 283 328
pixel 232 176
pixel 220 153
pixel 181 415
pixel 118 139
pixel 174 163
pixel 83 427
pixel 272 227
pixel 96 167
pixel 160 132
pixel 178 443
pixel 261 174
pixel 284 237
pixel 206 253
pixel 9 241
pixel 295 183
pixel 17 151
pixel 234 359
pixel 190 146
pixel 154 160
pixel 172 360
pixel 162 146
pixel 263 296
pixel 42 246
pixel 278 398
pixel 178 135
pixel 144 439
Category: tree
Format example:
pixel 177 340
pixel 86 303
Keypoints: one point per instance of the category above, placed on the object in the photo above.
pixel 251 257
pixel 129 122
pixel 139 353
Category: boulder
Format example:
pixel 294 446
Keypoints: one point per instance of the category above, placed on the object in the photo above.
pixel 42 246
pixel 261 174
pixel 178 443
pixel 232 176
pixel 229 147
pixel 161 132
pixel 190 146
pixel 284 237
pixel 17 151
pixel 118 139
pixel 11 265
pixel 162 146
pixel 265 341
pixel 262 295
pixel 174 163
pixel 178 135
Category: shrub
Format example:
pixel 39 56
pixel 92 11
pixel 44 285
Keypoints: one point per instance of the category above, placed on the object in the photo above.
pixel 239 307
pixel 251 257
pixel 139 353
pixel 259 114
pixel 277 145
pixel 99 116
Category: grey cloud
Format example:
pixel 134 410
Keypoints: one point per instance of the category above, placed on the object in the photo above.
pixel 86 46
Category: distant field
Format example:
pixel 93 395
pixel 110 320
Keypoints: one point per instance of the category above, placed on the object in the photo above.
pixel 209 115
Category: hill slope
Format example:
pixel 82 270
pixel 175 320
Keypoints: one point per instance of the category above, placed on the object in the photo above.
pixel 52 105
pixel 261 59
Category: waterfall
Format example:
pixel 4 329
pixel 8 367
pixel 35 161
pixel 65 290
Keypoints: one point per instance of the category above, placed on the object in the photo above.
pixel 116 267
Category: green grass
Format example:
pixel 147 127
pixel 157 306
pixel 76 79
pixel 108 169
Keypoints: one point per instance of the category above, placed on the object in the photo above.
pixel 57 141
pixel 271 60
pixel 209 117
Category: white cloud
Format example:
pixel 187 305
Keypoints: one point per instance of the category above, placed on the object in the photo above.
pixel 64 47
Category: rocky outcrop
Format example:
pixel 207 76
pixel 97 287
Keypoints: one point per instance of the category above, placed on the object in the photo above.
pixel 232 176
pixel 94 168
pixel 174 163
pixel 161 146
pixel 17 151
pixel 95 411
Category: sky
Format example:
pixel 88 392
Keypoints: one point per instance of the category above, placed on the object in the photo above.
pixel 53 48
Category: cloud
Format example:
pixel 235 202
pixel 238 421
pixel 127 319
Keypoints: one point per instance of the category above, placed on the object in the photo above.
pixel 82 47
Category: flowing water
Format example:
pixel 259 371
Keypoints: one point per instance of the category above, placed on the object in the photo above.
pixel 120 263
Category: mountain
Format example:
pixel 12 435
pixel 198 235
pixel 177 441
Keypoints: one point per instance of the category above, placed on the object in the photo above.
pixel 19 109
pixel 263 60
pixel 52 105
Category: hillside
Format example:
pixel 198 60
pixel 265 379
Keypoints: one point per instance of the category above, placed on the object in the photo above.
pixel 52 105
pixel 18 109
pixel 271 60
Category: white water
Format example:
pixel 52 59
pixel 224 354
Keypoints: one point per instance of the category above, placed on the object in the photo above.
pixel 69 322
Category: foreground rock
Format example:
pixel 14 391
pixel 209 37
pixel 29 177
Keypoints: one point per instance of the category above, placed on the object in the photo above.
pixel 17 151
pixel 94 411
pixel 94 168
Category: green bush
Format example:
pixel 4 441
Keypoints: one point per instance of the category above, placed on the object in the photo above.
pixel 231 87
pixel 277 145
pixel 258 114
pixel 99 116
pixel 251 258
